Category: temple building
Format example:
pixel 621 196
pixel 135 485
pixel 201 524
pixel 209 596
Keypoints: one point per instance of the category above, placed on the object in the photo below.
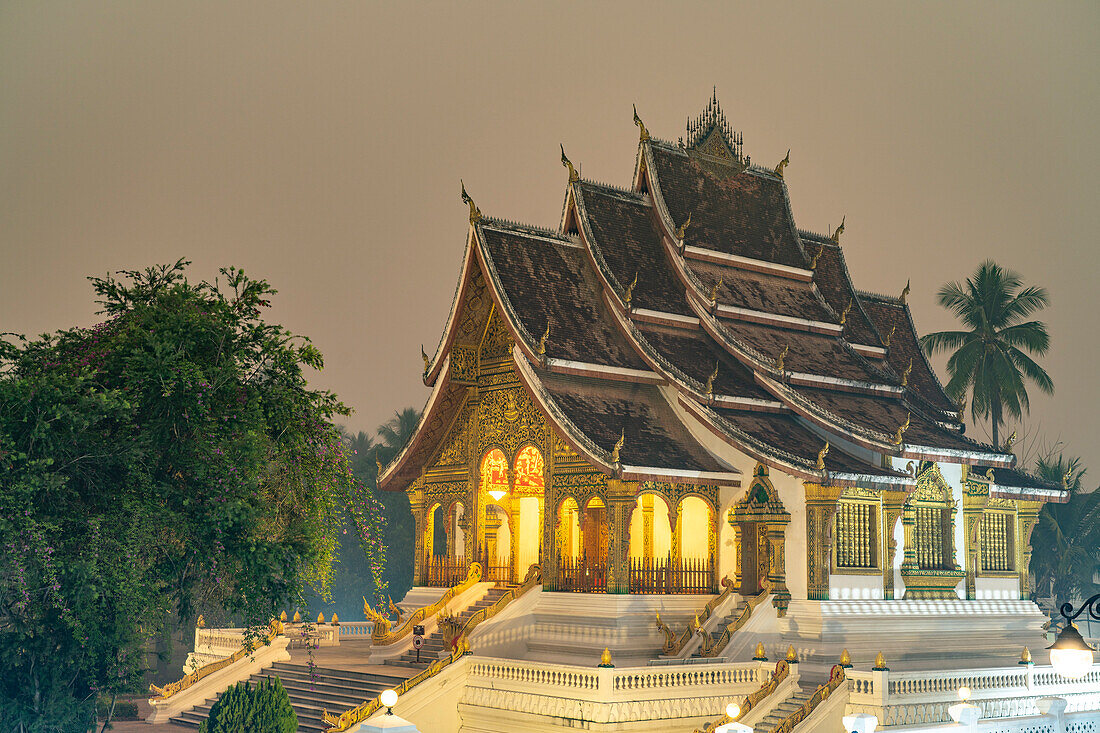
pixel 677 385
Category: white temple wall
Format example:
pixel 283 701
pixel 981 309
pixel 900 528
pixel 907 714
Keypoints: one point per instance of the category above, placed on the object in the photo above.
pixel 855 587
pixel 996 588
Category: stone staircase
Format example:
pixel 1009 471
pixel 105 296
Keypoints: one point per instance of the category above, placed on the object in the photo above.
pixel 785 708
pixel 433 644
pixel 720 627
pixel 335 690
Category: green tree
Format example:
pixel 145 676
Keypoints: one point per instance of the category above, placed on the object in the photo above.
pixel 1066 539
pixel 989 358
pixel 398 430
pixel 265 708
pixel 168 462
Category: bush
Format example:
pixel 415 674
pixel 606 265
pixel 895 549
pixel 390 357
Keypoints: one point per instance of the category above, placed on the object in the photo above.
pixel 124 709
pixel 245 709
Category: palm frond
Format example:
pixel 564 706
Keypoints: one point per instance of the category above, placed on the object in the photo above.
pixel 1026 302
pixel 943 340
pixel 1031 370
pixel 1032 336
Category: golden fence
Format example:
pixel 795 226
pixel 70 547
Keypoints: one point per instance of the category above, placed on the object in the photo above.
pixel 274 629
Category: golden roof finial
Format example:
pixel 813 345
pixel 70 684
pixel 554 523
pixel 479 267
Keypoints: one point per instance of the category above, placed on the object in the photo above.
pixel 1065 478
pixel 200 622
pixel 335 619
pixel 839 231
pixel 378 463
pixel 427 361
pixel 906 373
pixel 820 465
pixel 1010 441
pixel 880 663
pixel 792 655
pixel 644 134
pixel 297 617
pixel 573 177
pixel 902 429
pixel 710 380
pixel 714 290
pixel 282 616
pixel 605 658
pixel 321 617
pixel 618 446
pixel 845 659
pixel 886 341
pixel 783 164
pixel 682 229
pixel 782 357
pixel 541 348
pixel 813 262
pixel 904 292
pixel 1025 658
pixel 760 655
pixel 630 290
pixel 847 310
pixel 475 213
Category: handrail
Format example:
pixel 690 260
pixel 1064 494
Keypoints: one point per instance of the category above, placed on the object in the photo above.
pixel 782 668
pixel 364 710
pixel 674 645
pixel 836 678
pixel 382 636
pixel 275 627
pixel 713 649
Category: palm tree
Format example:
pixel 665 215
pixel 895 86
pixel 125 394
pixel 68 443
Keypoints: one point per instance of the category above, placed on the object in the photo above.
pixel 397 431
pixel 989 358
pixel 1066 539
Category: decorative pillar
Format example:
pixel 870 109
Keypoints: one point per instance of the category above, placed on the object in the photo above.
pixel 736 553
pixel 975 499
pixel 821 507
pixel 420 565
pixel 893 504
pixel 1027 515
pixel 646 500
pixel 777 563
pixel 677 534
pixel 620 502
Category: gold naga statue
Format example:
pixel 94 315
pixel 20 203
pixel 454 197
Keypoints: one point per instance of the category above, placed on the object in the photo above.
pixel 381 623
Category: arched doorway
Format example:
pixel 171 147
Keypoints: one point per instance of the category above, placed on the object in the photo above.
pixel 527 506
pixel 495 551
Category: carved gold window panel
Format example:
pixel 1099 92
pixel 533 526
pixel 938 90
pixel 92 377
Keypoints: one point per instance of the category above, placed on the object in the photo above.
pixel 530 471
pixel 929 537
pixel 494 471
pixel 857 535
pixel 996 542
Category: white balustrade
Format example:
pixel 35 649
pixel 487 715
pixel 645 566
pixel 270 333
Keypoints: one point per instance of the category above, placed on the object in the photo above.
pixel 356 629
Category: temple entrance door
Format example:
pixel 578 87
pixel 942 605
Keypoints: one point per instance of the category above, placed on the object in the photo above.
pixel 752 557
pixel 595 541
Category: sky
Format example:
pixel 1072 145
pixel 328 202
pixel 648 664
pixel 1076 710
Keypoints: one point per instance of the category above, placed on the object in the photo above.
pixel 320 146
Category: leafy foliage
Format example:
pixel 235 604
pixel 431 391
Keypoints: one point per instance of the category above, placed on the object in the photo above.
pixel 242 708
pixel 171 460
pixel 1066 539
pixel 991 357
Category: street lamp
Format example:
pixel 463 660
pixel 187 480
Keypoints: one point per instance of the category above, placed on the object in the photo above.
pixel 1070 655
pixel 732 711
pixel 388 698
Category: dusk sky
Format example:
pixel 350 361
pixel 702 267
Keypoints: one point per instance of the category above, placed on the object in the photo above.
pixel 320 146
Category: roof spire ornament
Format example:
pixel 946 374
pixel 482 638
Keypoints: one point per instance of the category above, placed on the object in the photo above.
pixel 682 229
pixel 782 357
pixel 541 348
pixel 813 262
pixel 906 373
pixel 902 429
pixel 783 164
pixel 618 447
pixel 630 291
pixel 644 133
pixel 847 310
pixel 427 361
pixel 475 213
pixel 886 341
pixel 962 406
pixel 710 380
pixel 714 291
pixel 904 292
pixel 820 465
pixel 839 230
pixel 1009 441
pixel 573 177
pixel 378 463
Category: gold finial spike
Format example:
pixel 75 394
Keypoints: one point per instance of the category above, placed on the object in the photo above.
pixel 1025 658
pixel 779 363
pixel 820 465
pixel 378 463
pixel 1010 441
pixel 297 617
pixel 714 290
pixel 427 361
pixel 475 213
pixel 847 310
pixel 200 622
pixel 282 617
pixel 541 348
pixel 902 429
pixel 759 655
pixel 880 663
pixel 320 617
pixel 644 133
pixel 813 262
pixel 710 380
pixel 839 231
pixel 783 164
pixel 618 446
pixel 906 373
pixel 1065 478
pixel 886 341
pixel 573 177
pixel 335 619
pixel 845 659
pixel 630 290
pixel 904 292
pixel 792 655
pixel 605 658
pixel 682 229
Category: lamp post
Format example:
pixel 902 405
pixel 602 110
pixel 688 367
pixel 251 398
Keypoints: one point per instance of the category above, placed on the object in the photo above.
pixel 732 711
pixel 965 712
pixel 1070 655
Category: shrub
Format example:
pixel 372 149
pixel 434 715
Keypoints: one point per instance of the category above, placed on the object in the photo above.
pixel 242 708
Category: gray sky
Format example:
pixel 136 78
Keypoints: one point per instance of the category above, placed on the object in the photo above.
pixel 320 146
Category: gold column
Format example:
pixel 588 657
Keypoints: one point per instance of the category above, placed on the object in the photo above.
pixel 893 503
pixel 647 524
pixel 821 507
pixel 420 566
pixel 677 535
pixel 777 565
pixel 737 554
pixel 1027 514
pixel 621 498
pixel 975 498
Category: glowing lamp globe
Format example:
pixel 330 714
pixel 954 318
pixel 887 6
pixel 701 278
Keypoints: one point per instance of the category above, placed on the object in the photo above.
pixel 388 698
pixel 732 711
pixel 497 494
pixel 1070 656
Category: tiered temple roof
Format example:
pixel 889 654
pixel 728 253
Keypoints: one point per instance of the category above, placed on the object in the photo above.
pixel 692 307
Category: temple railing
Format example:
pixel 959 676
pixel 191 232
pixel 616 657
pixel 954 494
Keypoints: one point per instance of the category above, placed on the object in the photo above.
pixel 381 634
pixel 753 700
pixel 444 571
pixel 666 575
pixel 673 644
pixel 836 679
pixel 581 575
pixel 711 648
pixel 460 645
pixel 915 698
pixel 246 647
